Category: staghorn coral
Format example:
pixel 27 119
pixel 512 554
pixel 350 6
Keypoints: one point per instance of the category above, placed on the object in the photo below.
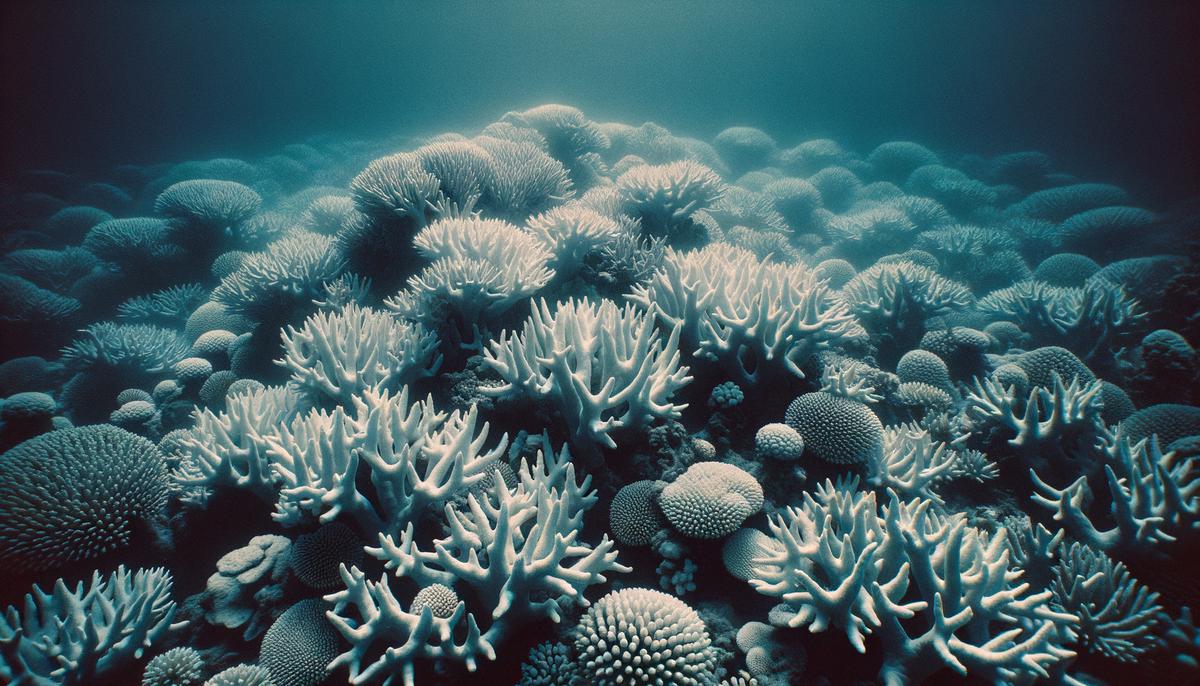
pixel 912 463
pixel 418 458
pixel 570 137
pixel 572 233
pixel 665 198
pixel 517 548
pixel 167 307
pixel 894 299
pixel 228 449
pixel 843 563
pixel 604 367
pixel 1154 499
pixel 1118 617
pixel 338 355
pixel 1087 320
pixel 78 636
pixel 751 318
pixel 1060 203
pixel 481 269
pixel 276 284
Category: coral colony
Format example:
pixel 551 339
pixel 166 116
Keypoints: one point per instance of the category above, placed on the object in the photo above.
pixel 562 402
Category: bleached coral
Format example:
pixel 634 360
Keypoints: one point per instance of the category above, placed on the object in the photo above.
pixel 751 318
pixel 605 367
pixel 340 354
pixel 76 636
pixel 1153 503
pixel 417 458
pixel 935 592
pixel 912 463
pixel 481 268
pixel 516 547
pixel 665 198
pixel 229 449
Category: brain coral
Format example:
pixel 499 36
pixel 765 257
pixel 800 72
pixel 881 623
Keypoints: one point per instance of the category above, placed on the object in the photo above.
pixel 1066 269
pixel 1169 421
pixel 836 429
pixel 641 636
pixel 76 493
pixel 779 442
pixel 441 600
pixel 208 202
pixel 633 515
pixel 299 645
pixel 711 500
pixel 315 557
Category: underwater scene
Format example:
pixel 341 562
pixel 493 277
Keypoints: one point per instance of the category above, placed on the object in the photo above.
pixel 678 344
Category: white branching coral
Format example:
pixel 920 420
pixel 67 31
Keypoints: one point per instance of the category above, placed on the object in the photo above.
pixel 936 592
pixel 1082 319
pixel 912 463
pixel 665 197
pixel 516 547
pixel 526 180
pixel 1154 500
pixel 900 295
pixel 289 274
pixel 850 379
pixel 572 232
pixel 397 188
pixel 340 354
pixel 750 317
pixel 417 457
pixel 481 268
pixel 1066 416
pixel 604 367
pixel 1118 616
pixel 76 637
pixel 229 449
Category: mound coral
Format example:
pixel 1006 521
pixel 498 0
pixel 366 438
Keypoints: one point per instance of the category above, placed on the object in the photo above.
pixel 710 500
pixel 77 493
pixel 642 636
pixel 835 429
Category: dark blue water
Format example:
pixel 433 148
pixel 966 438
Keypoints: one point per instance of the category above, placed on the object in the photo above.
pixel 1104 85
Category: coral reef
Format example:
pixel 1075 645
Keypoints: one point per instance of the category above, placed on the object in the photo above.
pixel 446 409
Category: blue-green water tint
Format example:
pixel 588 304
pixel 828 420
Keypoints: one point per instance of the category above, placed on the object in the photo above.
pixel 593 343
pixel 103 83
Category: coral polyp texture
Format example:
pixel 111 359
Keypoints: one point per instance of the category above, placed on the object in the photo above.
pixel 445 409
